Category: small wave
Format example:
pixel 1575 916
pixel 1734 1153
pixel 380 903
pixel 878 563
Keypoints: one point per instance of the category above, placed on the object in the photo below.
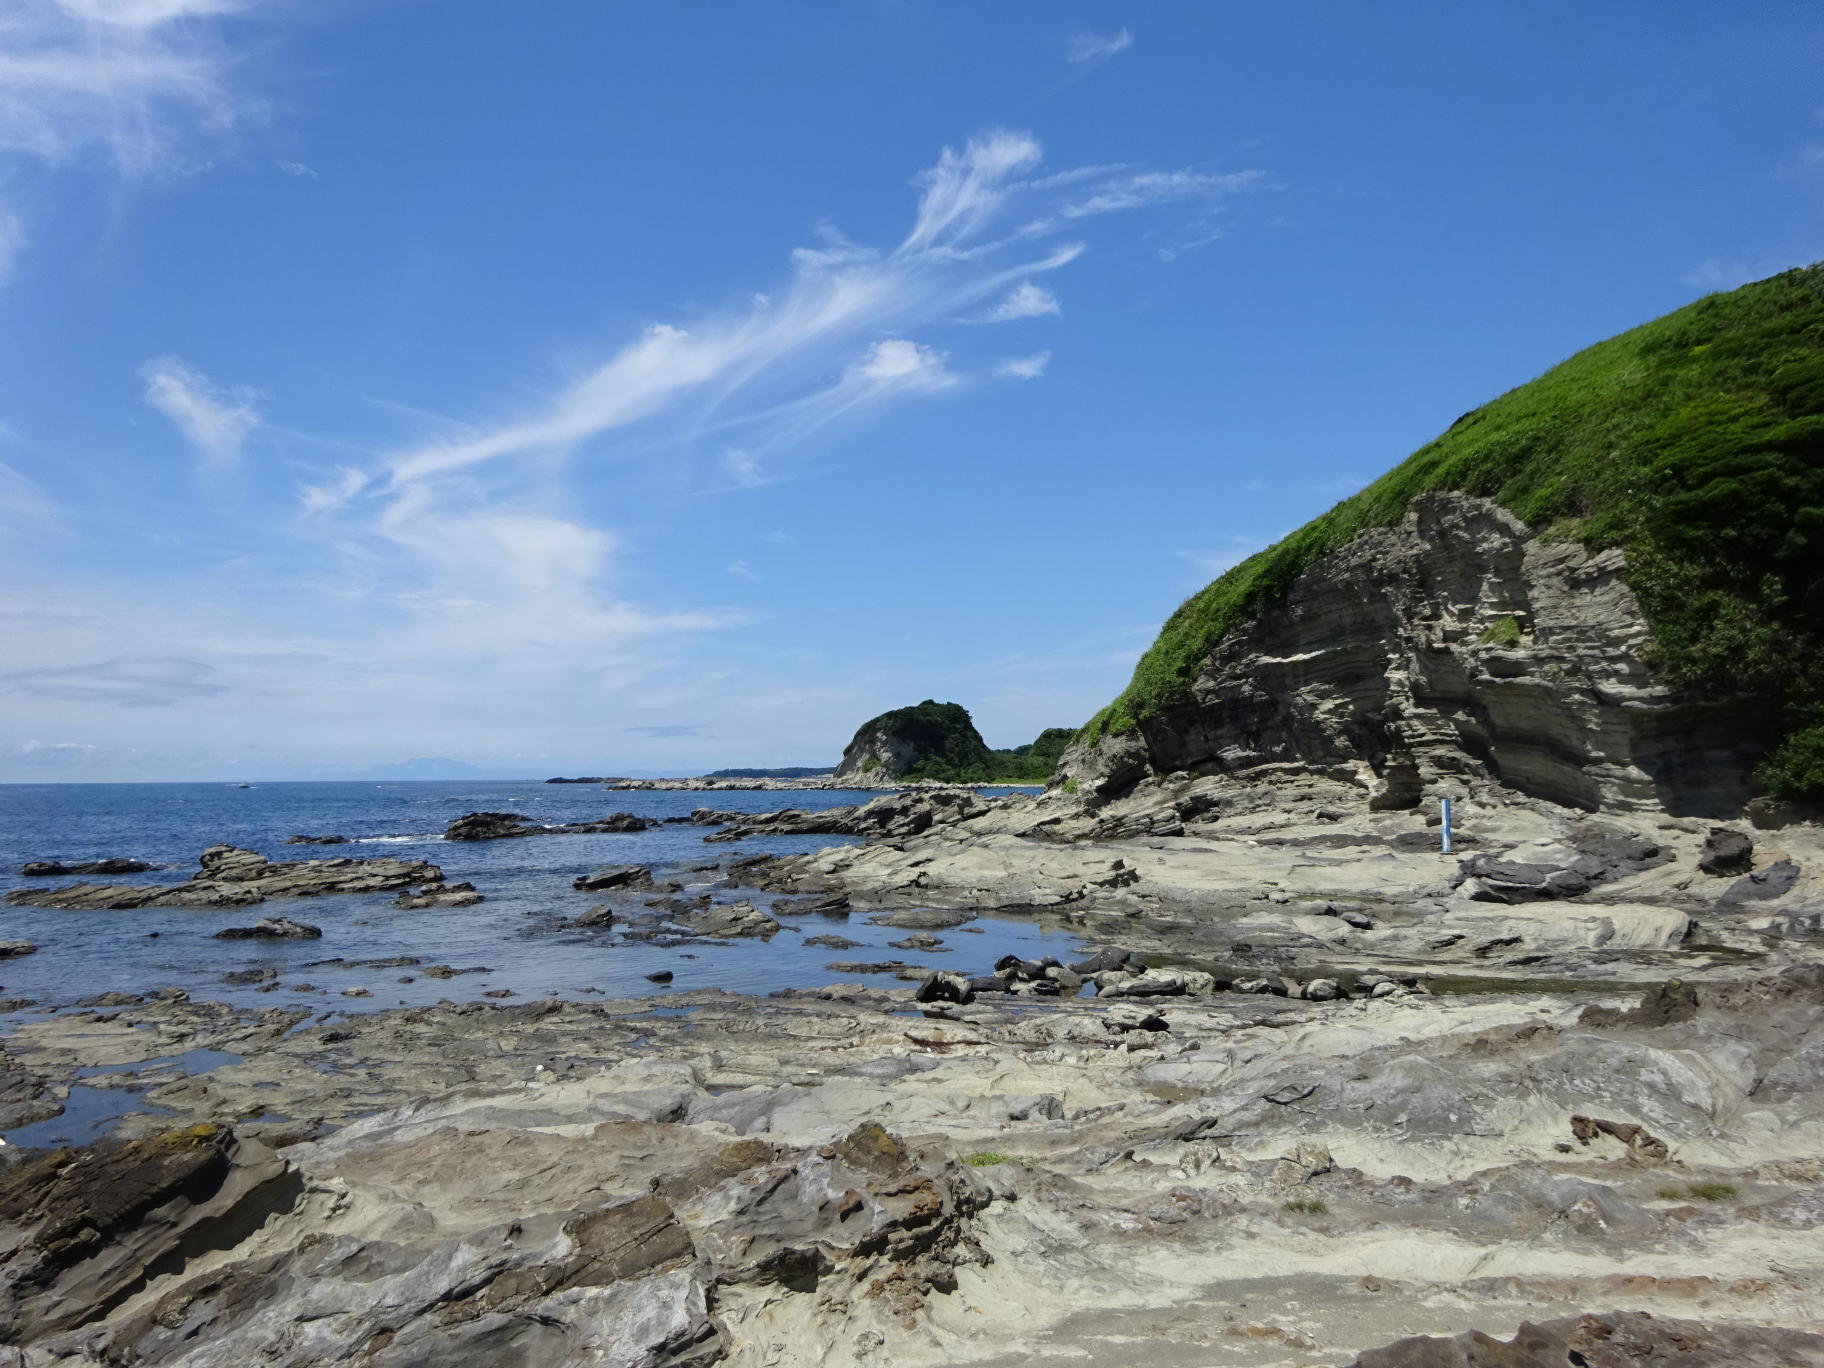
pixel 394 840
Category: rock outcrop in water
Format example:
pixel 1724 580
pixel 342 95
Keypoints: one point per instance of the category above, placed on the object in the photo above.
pixel 114 864
pixel 494 826
pixel 895 814
pixel 230 877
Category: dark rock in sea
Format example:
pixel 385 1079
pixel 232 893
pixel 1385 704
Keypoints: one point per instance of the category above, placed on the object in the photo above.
pixel 444 971
pixel 918 940
pixel 889 816
pixel 873 967
pixel 239 976
pixel 1763 884
pixel 662 976
pixel 494 826
pixel 625 877
pixel 923 919
pixel 731 919
pixel 41 869
pixel 1726 852
pixel 599 915
pixel 231 877
pixel 14 949
pixel 440 895
pixel 316 840
pixel 832 942
pixel 677 907
pixel 272 928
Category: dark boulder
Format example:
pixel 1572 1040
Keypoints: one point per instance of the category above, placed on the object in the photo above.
pixel 946 987
pixel 272 928
pixel 50 869
pixel 316 840
pixel 495 826
pixel 1763 884
pixel 1726 852
pixel 624 877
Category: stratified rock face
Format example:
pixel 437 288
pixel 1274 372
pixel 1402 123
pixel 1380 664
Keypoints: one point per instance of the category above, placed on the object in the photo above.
pixel 89 1224
pixel 588 1268
pixel 1457 645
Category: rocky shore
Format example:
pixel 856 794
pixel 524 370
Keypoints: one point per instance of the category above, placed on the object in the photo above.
pixel 831 1176
pixel 1318 1087
pixel 710 785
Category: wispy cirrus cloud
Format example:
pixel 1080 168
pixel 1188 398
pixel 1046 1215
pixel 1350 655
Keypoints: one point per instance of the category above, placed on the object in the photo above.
pixel 1080 48
pixel 215 421
pixel 739 368
pixel 1023 367
pixel 1024 300
pixel 143 88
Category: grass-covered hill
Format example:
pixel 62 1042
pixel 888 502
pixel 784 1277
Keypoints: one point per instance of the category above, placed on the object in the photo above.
pixel 1695 443
pixel 944 745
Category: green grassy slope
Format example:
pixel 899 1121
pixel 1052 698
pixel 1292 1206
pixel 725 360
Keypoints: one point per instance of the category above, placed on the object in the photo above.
pixel 1695 443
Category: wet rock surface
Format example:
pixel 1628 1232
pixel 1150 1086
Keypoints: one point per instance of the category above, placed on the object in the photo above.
pixel 230 877
pixel 495 826
pixel 44 869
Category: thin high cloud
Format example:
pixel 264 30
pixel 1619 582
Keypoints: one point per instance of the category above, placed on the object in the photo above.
pixel 1024 300
pixel 215 421
pixel 474 547
pixel 1096 47
pixel 1023 367
pixel 142 87
pixel 739 368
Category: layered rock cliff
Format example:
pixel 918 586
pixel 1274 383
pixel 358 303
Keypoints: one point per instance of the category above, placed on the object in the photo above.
pixel 1458 644
pixel 1601 588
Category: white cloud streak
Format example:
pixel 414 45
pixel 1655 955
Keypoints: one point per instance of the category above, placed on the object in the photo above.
pixel 1024 300
pixel 214 421
pixel 1097 47
pixel 1023 367
pixel 133 80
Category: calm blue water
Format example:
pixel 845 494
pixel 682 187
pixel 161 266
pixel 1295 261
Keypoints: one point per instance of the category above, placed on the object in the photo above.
pixel 515 933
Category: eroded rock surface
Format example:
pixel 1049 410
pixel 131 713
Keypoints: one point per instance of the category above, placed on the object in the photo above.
pixel 1455 645
pixel 1246 1180
pixel 230 877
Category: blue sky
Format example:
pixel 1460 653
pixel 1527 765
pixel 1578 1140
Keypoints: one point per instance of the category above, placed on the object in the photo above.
pixel 589 386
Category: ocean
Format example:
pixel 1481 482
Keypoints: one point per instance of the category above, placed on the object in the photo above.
pixel 516 935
